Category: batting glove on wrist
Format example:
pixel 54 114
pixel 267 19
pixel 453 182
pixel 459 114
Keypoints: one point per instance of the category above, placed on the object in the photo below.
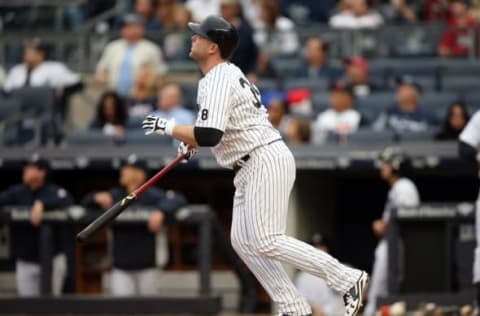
pixel 158 125
pixel 187 151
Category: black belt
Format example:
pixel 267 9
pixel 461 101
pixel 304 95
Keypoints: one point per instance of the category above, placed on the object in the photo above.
pixel 241 162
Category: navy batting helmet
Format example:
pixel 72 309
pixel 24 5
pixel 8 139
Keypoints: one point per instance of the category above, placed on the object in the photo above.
pixel 219 31
pixel 396 158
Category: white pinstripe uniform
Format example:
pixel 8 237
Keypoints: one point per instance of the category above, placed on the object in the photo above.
pixel 228 102
pixel 471 136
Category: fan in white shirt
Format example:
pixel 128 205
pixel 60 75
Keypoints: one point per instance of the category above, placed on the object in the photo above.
pixel 36 71
pixel 360 16
pixel 340 119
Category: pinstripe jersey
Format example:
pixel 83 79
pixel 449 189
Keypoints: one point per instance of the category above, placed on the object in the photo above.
pixel 228 102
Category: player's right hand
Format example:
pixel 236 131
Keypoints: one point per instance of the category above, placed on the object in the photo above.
pixel 187 151
pixel 158 125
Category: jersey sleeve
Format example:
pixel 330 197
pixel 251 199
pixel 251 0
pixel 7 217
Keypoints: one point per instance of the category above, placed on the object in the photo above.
pixel 214 102
pixel 471 132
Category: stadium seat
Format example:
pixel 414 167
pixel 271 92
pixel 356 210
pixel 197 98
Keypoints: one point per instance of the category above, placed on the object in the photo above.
pixel 460 83
pixel 318 85
pixel 267 85
pixel 365 135
pixel 139 138
pixel 437 103
pixel 285 65
pixel 472 100
pixel 372 105
pixel 460 67
pixel 89 138
pixel 417 136
pixel 134 123
pixel 320 101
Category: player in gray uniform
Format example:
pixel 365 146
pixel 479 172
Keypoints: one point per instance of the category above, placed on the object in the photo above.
pixel 402 193
pixel 469 142
pixel 232 120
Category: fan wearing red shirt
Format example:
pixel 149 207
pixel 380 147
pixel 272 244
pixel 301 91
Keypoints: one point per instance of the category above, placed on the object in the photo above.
pixel 458 40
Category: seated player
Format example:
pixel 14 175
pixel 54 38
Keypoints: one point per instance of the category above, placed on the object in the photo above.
pixel 37 193
pixel 138 251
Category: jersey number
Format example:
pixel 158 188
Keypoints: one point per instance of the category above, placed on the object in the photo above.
pixel 256 94
pixel 204 114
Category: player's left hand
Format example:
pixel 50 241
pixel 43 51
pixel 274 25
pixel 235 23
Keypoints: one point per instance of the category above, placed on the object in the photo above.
pixel 187 151
pixel 158 125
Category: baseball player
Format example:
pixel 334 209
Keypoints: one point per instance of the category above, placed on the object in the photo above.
pixel 232 120
pixel 469 142
pixel 403 193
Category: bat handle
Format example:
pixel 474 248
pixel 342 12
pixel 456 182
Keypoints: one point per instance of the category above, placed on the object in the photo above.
pixel 106 217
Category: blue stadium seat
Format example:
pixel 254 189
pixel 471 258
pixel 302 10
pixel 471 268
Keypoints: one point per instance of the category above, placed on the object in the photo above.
pixel 472 100
pixel 267 85
pixel 134 123
pixel 189 91
pixel 460 67
pixel 372 105
pixel 286 65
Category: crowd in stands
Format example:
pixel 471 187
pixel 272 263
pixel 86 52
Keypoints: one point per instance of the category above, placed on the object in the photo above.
pixel 319 96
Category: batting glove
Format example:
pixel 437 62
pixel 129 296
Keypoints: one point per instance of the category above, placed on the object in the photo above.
pixel 158 125
pixel 187 151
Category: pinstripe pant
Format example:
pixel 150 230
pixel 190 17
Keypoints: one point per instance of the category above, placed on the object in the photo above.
pixel 260 208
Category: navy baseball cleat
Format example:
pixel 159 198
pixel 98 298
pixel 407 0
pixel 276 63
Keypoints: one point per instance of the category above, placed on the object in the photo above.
pixel 353 298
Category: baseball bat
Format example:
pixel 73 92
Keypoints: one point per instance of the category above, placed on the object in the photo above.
pixel 110 214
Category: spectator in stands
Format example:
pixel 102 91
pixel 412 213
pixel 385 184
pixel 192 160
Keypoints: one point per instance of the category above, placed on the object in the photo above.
pixel 306 11
pixel 298 130
pixel 203 8
pixel 316 64
pixel 166 14
pixel 169 105
pixel 459 39
pixel 111 116
pixel 275 36
pixel 40 196
pixel 406 115
pixel 435 10
pixel 341 119
pixel 455 120
pixel 357 75
pixel 400 11
pixel 142 99
pixel 403 193
pixel 2 76
pixel 246 54
pixel 177 42
pixel 147 9
pixel 37 71
pixel 277 110
pixel 122 59
pixel 136 271
pixel 359 16
pixel 323 300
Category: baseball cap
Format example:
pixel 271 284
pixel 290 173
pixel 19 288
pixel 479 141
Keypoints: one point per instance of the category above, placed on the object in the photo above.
pixel 133 161
pixel 408 80
pixel 357 61
pixel 341 86
pixel 37 161
pixel 317 240
pixel 132 19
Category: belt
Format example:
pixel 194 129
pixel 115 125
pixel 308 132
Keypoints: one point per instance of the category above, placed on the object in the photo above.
pixel 242 161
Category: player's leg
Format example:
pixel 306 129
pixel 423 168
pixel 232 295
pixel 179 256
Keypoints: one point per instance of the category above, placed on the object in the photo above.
pixel 59 273
pixel 476 259
pixel 147 281
pixel 268 272
pixel 122 283
pixel 267 199
pixel 379 281
pixel 27 275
